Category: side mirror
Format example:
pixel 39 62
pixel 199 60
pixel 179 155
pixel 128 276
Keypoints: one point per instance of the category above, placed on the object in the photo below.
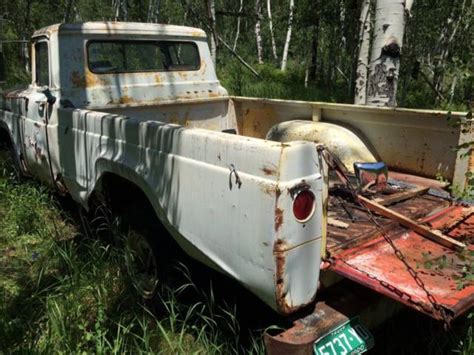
pixel 49 97
pixel 371 176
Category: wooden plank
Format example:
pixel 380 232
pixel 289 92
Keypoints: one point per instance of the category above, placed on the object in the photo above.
pixel 434 235
pixel 401 196
pixel 335 223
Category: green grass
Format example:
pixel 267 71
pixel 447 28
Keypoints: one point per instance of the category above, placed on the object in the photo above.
pixel 63 292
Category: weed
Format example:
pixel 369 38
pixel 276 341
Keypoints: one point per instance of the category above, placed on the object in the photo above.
pixel 66 291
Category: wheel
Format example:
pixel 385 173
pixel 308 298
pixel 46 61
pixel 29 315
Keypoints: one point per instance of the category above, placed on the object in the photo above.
pixel 141 264
pixel 9 159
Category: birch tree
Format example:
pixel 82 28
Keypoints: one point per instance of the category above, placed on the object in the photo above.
pixel 211 10
pixel 445 41
pixel 258 31
pixel 237 31
pixel 153 15
pixel 270 25
pixel 67 13
pixel 365 23
pixel 284 58
pixel 385 53
pixel 316 13
pixel 120 10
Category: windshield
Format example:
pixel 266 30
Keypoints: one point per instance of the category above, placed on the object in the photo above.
pixel 141 56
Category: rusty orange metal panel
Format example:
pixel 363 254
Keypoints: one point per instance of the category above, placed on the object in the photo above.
pixel 375 265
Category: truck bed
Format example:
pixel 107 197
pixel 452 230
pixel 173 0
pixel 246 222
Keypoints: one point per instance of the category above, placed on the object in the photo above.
pixel 358 251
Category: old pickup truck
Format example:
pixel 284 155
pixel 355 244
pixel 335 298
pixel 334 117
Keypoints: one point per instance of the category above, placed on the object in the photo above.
pixel 275 194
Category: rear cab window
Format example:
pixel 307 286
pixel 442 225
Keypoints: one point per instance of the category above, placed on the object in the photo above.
pixel 124 56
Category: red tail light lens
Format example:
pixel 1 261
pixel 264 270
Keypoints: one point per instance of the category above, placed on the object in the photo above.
pixel 303 205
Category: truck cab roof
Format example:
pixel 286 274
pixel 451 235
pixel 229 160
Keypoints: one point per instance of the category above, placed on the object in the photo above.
pixel 119 28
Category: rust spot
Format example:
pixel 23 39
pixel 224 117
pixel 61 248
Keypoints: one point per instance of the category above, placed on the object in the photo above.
pixel 157 78
pixel 197 34
pixel 78 81
pixel 93 80
pixel 89 80
pixel 126 99
pixel 278 218
pixel 269 171
pixel 213 94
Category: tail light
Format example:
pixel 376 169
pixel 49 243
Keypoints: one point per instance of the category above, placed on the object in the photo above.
pixel 304 205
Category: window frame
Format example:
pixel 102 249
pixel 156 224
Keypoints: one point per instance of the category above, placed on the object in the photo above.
pixel 35 43
pixel 89 42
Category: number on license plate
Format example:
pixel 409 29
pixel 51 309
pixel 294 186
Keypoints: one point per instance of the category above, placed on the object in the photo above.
pixel 348 338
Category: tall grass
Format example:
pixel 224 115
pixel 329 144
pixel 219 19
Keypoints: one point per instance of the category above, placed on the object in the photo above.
pixel 64 292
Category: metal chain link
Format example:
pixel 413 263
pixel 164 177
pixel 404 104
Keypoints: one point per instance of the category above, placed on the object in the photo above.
pixel 334 163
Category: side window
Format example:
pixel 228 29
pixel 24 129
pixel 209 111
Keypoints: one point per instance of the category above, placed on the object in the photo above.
pixel 42 63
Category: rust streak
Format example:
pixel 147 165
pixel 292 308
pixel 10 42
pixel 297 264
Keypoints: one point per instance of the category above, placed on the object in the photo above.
pixel 278 218
pixel 279 250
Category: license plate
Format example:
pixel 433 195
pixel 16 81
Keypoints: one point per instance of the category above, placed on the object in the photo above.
pixel 349 338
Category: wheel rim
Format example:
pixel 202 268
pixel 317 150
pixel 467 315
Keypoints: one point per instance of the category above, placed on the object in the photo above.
pixel 141 265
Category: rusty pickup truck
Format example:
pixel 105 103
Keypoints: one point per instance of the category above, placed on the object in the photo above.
pixel 297 201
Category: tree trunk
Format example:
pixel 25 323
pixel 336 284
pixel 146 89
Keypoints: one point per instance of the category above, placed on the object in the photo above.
pixel 270 24
pixel 120 10
pixel 258 31
pixel 211 8
pixel 153 15
pixel 67 13
pixel 385 53
pixel 365 20
pixel 314 43
pixel 284 58
pixel 237 31
pixel 446 38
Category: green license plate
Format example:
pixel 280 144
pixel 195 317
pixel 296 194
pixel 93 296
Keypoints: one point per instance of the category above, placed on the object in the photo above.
pixel 349 338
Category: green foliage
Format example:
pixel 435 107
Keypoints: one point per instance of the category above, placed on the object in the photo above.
pixel 447 64
pixel 62 292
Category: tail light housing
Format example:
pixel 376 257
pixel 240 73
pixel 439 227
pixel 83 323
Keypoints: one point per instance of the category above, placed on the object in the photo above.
pixel 304 205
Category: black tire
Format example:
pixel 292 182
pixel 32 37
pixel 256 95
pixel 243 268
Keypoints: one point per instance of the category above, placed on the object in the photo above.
pixel 131 218
pixel 8 155
pixel 141 262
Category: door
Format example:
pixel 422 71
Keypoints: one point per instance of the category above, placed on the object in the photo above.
pixel 35 119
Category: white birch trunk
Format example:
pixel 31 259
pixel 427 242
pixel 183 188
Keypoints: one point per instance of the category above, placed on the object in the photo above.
pixel 447 36
pixel 365 20
pixel 284 58
pixel 385 54
pixel 270 24
pixel 153 15
pixel 237 31
pixel 342 20
pixel 212 18
pixel 258 31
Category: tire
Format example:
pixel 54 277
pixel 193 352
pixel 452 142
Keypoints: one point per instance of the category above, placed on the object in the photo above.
pixel 8 156
pixel 141 262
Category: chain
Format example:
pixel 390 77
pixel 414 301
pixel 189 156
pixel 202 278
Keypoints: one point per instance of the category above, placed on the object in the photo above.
pixel 335 164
